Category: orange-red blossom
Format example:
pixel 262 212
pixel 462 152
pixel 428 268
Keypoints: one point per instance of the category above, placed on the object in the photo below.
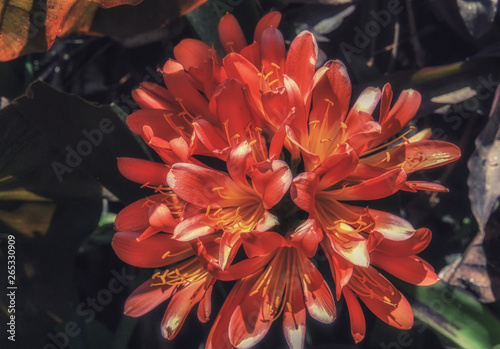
pixel 261 156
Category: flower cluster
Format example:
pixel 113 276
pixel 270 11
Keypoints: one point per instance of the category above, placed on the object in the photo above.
pixel 261 155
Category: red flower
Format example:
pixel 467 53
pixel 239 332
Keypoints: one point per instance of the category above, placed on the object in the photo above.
pixel 288 285
pixel 229 202
pixel 247 142
pixel 187 280
pixel 379 295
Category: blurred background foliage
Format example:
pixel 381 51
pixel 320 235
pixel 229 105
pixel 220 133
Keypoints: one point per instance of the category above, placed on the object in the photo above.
pixel 68 65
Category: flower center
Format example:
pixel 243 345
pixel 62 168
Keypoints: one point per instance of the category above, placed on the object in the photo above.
pixel 235 219
pixel 253 135
pixel 271 80
pixel 324 135
pixel 174 203
pixel 185 273
pixel 344 231
pixel 180 130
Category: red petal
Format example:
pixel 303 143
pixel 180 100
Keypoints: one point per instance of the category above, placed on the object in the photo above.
pixel 354 250
pixel 211 138
pixel 303 191
pixel 276 105
pixel 366 103
pixel 392 227
pixel 296 101
pixel 230 34
pixel 337 166
pixel 150 231
pixel 157 120
pixel 205 306
pixel 361 136
pixel 161 217
pixel 385 102
pixel 397 314
pixel 358 324
pixel 422 185
pixel 306 237
pixel 272 53
pixel 135 216
pixel 332 83
pixel 146 297
pixel 178 83
pixel 230 242
pixel 244 268
pixel 294 318
pixel 429 154
pixel 179 307
pixel 200 186
pixel 301 60
pixel 374 188
pixel 252 53
pixel 191 53
pixel 317 295
pixel 399 116
pixel 247 325
pixel 143 171
pixel 149 253
pixel 415 244
pixel 153 96
pixel 218 338
pixel 239 163
pixel 272 19
pixel 267 222
pixel 192 228
pixel 271 180
pixel 262 243
pixel 411 269
pixel 180 148
pixel 238 67
pixel 278 141
pixel 341 268
pixel 227 103
pixel 340 85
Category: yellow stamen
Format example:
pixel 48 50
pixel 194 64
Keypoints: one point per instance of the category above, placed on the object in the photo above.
pixel 273 82
pixel 371 151
pixel 314 123
pixel 230 44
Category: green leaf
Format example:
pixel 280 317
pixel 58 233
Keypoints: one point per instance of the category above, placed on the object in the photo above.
pixel 455 315
pixel 89 137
